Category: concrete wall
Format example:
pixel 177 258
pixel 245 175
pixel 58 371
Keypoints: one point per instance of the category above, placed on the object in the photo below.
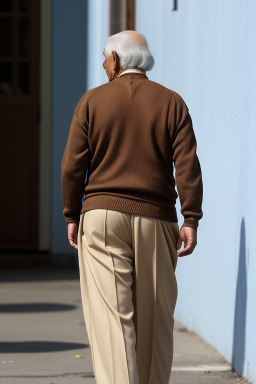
pixel 206 52
pixel 79 29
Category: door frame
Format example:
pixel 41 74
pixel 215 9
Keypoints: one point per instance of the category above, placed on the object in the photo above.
pixel 121 15
pixel 44 211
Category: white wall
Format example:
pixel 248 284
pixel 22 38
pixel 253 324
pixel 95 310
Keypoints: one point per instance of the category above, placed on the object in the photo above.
pixel 206 52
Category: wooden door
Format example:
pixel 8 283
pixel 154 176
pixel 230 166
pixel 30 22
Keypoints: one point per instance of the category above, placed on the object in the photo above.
pixel 19 123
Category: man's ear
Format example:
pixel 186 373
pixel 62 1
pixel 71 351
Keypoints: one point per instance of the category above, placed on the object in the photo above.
pixel 116 62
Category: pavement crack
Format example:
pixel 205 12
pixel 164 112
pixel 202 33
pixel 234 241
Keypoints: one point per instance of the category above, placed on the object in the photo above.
pixel 75 374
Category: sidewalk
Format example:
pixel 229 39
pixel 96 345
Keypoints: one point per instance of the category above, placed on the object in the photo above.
pixel 44 340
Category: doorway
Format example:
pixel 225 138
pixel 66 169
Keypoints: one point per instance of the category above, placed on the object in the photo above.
pixel 19 123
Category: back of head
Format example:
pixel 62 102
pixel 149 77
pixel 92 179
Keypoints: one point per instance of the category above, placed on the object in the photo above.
pixel 131 53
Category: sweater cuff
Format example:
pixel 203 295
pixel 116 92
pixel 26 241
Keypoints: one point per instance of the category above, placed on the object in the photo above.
pixel 190 222
pixel 72 220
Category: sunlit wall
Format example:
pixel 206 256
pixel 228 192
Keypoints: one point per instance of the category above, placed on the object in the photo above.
pixel 206 52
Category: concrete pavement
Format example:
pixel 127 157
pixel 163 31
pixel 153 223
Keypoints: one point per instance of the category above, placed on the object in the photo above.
pixel 44 339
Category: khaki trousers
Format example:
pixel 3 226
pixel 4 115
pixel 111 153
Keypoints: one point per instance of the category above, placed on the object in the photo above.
pixel 128 288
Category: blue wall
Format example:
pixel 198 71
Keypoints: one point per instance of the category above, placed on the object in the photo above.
pixel 68 84
pixel 79 30
pixel 206 52
pixel 98 31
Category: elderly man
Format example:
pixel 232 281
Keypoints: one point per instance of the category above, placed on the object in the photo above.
pixel 128 134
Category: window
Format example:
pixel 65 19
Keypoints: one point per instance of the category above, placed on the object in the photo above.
pixel 14 46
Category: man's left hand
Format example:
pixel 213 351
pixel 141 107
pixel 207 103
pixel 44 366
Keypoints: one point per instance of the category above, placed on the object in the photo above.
pixel 189 237
pixel 72 234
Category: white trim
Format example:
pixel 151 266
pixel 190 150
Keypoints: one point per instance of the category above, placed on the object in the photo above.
pixel 45 128
pixel 203 368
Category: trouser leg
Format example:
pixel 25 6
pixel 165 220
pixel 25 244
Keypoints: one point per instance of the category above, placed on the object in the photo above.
pixel 106 263
pixel 154 243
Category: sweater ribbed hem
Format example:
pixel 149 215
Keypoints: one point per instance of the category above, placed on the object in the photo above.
pixel 130 205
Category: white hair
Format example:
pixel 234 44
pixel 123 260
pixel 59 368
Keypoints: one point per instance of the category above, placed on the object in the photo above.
pixel 131 53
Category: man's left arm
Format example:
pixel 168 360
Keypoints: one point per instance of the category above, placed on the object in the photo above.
pixel 188 172
pixel 74 165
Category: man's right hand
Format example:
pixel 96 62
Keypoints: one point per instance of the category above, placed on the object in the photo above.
pixel 72 234
pixel 189 236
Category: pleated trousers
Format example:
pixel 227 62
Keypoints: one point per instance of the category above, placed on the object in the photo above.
pixel 129 291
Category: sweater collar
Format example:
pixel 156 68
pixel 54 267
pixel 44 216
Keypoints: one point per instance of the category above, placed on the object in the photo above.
pixel 132 74
pixel 131 70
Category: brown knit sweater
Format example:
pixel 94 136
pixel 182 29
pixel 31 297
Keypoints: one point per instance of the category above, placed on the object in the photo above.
pixel 127 134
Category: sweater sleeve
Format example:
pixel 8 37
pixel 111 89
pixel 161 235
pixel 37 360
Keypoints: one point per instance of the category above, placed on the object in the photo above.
pixel 188 173
pixel 74 165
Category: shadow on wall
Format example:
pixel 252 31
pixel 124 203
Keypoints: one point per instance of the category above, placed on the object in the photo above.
pixel 238 353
